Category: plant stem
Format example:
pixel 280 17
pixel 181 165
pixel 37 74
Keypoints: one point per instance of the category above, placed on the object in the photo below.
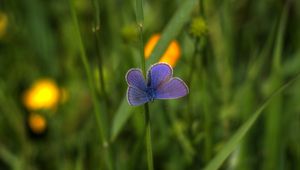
pixel 99 120
pixel 206 99
pixel 193 61
pixel 140 23
pixel 148 138
pixel 190 78
pixel 96 31
pixel 201 7
pixel 274 127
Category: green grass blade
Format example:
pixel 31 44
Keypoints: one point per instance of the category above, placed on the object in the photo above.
pixel 280 38
pixel 233 142
pixel 172 30
pixel 123 114
pixel 273 122
pixel 139 13
pixel 101 123
pixel 8 157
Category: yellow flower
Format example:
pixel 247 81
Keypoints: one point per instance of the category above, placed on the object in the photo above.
pixel 171 55
pixel 37 123
pixel 3 24
pixel 44 94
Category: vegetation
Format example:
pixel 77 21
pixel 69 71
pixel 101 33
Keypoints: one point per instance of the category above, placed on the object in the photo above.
pixel 63 93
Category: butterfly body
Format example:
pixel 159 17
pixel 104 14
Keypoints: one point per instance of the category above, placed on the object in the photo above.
pixel 159 85
pixel 151 93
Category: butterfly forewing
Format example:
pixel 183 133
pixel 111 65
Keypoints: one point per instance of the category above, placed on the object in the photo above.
pixel 175 88
pixel 134 78
pixel 158 74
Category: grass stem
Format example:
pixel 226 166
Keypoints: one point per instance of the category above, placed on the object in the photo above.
pixel 140 23
pixel 99 120
pixel 148 138
pixel 96 31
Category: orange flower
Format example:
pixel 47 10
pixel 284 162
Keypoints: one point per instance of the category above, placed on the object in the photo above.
pixel 37 123
pixel 44 94
pixel 3 24
pixel 170 56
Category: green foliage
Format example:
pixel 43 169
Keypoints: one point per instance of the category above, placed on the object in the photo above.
pixel 242 71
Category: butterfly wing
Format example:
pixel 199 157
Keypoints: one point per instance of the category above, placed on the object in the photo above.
pixel 173 89
pixel 134 78
pixel 136 92
pixel 136 96
pixel 159 74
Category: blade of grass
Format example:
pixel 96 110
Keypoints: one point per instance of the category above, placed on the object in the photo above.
pixel 96 31
pixel 273 138
pixel 42 38
pixel 99 117
pixel 123 113
pixel 148 138
pixel 245 97
pixel 171 31
pixel 177 22
pixel 140 23
pixel 79 160
pixel 233 142
pixel 12 160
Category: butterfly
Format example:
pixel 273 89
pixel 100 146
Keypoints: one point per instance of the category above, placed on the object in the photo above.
pixel 160 84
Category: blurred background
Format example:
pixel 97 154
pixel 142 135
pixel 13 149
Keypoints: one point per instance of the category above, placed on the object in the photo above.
pixel 62 85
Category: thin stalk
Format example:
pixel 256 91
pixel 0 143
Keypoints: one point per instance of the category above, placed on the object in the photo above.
pixel 99 120
pixel 96 31
pixel 199 51
pixel 148 138
pixel 205 91
pixel 201 7
pixel 140 23
pixel 196 53
pixel 193 61
pixel 274 142
pixel 208 149
pixel 190 78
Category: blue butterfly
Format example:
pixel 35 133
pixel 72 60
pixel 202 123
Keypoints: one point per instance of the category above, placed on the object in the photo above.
pixel 160 85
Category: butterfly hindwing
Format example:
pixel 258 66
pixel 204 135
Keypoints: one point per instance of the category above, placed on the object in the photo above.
pixel 173 89
pixel 136 96
pixel 158 74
